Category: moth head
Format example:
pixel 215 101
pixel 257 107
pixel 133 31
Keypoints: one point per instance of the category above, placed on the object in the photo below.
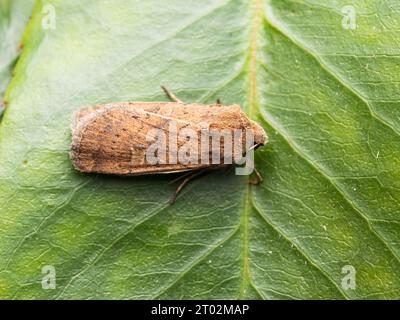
pixel 260 137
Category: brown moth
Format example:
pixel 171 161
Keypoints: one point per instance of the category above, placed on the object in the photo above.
pixel 117 138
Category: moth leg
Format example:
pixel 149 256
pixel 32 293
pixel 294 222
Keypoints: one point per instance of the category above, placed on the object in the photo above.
pixel 191 175
pixel 258 179
pixel 182 176
pixel 171 95
pixel 184 183
pixel 218 101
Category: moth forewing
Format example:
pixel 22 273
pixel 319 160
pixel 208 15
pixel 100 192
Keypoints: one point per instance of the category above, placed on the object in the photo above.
pixel 132 138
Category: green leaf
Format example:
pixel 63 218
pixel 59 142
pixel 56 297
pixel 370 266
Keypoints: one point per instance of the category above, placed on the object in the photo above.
pixel 13 17
pixel 326 94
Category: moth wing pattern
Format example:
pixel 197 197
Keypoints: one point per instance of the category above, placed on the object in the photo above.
pixel 114 138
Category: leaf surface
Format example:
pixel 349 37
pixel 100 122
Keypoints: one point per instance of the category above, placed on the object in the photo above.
pixel 326 95
pixel 13 16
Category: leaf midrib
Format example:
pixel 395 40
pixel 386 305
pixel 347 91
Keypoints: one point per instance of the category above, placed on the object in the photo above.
pixel 257 15
pixel 253 110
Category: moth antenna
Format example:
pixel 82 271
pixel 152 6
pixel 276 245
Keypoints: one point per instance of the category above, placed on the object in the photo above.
pixel 170 95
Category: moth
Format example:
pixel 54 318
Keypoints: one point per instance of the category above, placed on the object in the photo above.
pixel 136 138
